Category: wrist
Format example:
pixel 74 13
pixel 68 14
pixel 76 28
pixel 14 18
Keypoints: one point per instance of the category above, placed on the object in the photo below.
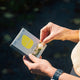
pixel 73 35
pixel 52 72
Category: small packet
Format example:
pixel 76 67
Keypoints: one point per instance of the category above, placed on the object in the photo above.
pixel 26 44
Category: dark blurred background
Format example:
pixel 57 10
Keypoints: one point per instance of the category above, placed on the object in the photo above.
pixel 33 15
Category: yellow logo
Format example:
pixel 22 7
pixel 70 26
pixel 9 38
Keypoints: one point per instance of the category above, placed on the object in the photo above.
pixel 27 42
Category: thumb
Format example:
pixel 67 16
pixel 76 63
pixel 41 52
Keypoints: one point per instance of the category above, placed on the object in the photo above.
pixel 33 58
pixel 48 39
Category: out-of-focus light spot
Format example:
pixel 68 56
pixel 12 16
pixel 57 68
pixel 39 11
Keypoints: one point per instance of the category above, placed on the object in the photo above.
pixel 36 9
pixel 8 15
pixel 4 71
pixel 7 37
pixel 3 8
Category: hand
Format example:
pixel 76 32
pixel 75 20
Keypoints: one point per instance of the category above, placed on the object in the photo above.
pixel 39 66
pixel 55 32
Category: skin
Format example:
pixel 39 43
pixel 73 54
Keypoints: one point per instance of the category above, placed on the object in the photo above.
pixel 55 32
pixel 39 66
pixel 48 33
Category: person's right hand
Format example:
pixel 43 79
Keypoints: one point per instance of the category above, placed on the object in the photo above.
pixel 55 32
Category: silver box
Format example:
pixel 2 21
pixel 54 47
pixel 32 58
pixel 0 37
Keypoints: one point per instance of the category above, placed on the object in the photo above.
pixel 26 43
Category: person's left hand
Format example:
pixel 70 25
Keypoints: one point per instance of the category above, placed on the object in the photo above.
pixel 39 66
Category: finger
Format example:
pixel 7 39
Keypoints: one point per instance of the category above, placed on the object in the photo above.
pixel 48 38
pixel 27 62
pixel 44 33
pixel 33 58
pixel 43 43
pixel 40 57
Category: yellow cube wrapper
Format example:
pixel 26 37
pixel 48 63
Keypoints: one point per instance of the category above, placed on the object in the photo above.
pixel 27 42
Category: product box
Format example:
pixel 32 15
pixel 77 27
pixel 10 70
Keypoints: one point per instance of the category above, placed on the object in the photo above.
pixel 26 44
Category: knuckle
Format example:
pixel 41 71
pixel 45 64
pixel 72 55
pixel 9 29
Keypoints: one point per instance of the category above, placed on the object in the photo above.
pixel 41 30
pixel 50 23
pixel 30 69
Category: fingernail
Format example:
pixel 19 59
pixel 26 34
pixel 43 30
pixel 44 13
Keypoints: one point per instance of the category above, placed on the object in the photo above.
pixel 23 57
pixel 41 40
pixel 43 43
